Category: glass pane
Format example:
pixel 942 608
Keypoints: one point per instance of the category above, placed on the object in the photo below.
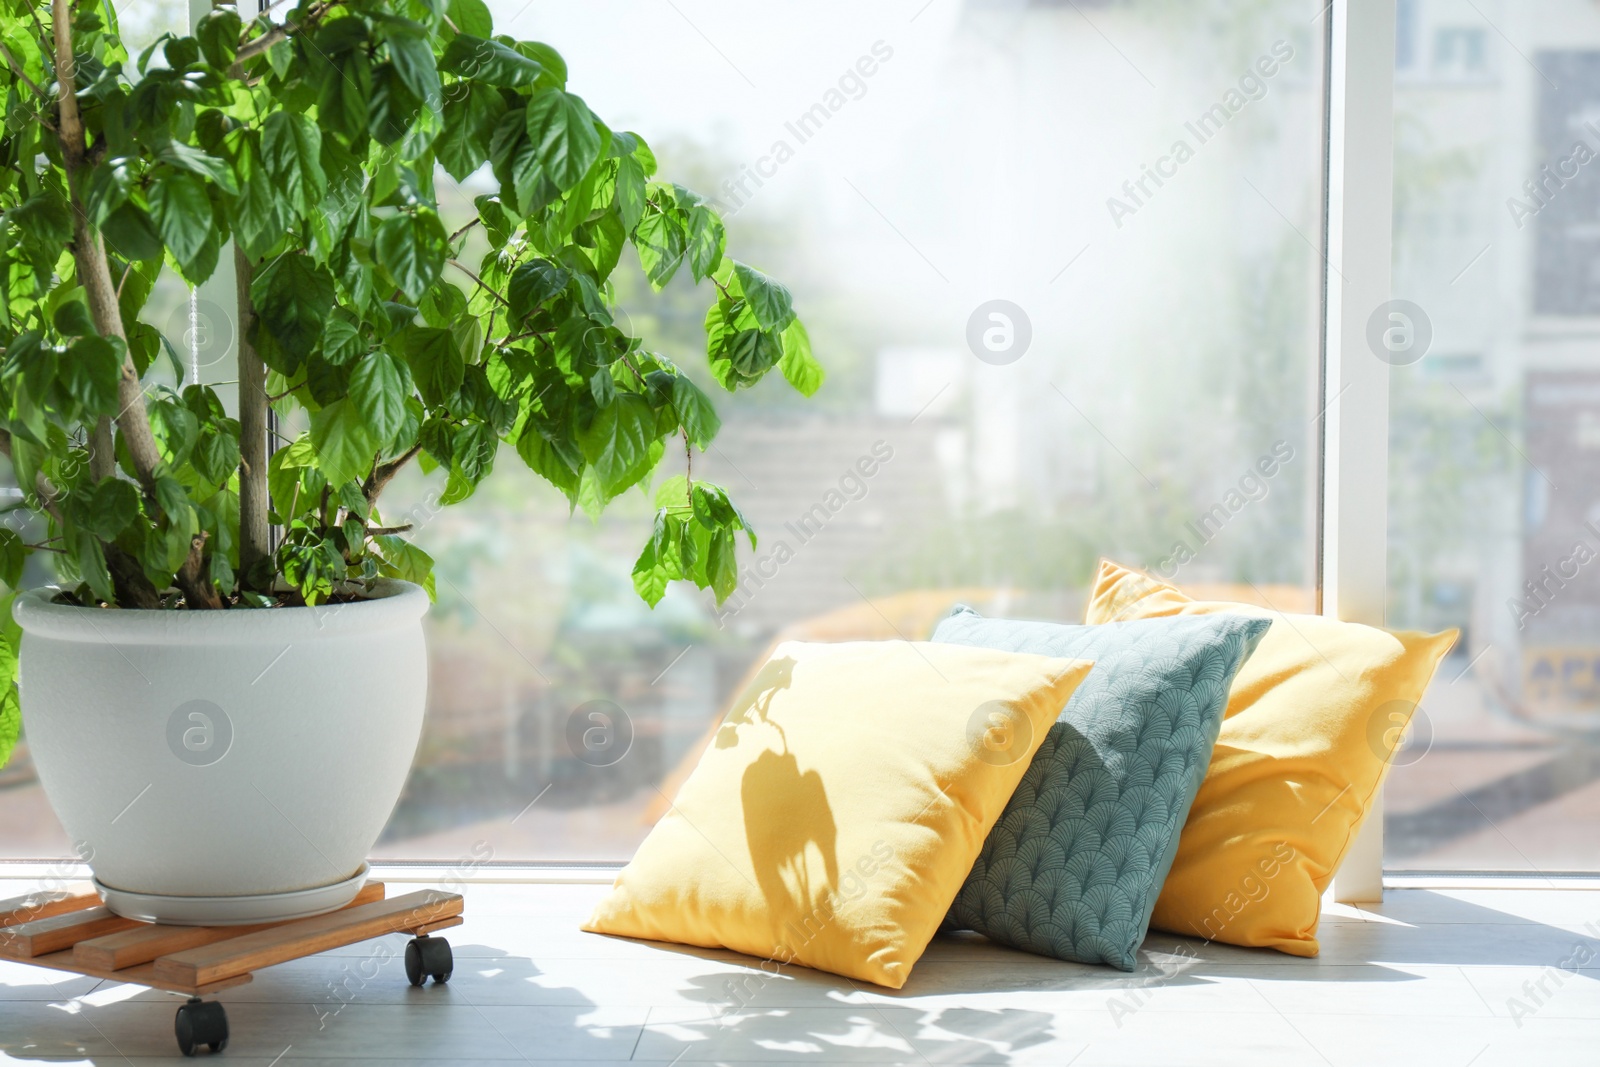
pixel 1061 262
pixel 1495 432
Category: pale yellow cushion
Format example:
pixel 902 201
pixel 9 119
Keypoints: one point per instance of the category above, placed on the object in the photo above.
pixel 841 804
pixel 1312 721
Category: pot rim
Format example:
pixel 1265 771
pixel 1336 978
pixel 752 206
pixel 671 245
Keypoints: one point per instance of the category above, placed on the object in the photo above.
pixel 392 604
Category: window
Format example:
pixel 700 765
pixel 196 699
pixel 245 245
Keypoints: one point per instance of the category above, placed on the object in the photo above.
pixel 1495 449
pixel 1063 264
pixel 1459 52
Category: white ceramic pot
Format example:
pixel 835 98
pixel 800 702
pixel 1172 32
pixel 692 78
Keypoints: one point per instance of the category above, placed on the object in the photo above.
pixel 198 758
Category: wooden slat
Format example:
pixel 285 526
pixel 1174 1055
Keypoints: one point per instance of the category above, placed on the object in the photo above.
pixel 146 941
pixel 40 937
pixel 43 904
pixel 139 974
pixel 433 928
pixel 305 937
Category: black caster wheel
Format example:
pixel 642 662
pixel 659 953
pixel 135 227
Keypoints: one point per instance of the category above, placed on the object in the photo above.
pixel 429 957
pixel 199 1023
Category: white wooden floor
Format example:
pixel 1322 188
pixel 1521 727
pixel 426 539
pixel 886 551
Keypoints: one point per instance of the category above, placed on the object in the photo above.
pixel 1508 974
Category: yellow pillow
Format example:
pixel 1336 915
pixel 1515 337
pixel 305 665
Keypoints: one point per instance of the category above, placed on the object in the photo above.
pixel 1312 720
pixel 842 803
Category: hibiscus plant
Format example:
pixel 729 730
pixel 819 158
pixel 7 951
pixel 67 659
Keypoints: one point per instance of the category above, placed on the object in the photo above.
pixel 305 145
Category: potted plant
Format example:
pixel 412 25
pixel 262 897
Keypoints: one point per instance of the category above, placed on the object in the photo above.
pixel 227 743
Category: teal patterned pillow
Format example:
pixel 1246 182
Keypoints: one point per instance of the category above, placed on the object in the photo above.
pixel 1075 864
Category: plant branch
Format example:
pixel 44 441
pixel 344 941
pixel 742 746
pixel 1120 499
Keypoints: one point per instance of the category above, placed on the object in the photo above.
pixel 384 473
pixel 256 46
pixel 458 265
pixel 517 337
pixel 198 591
pixel 94 273
pixel 133 589
pixel 475 220
pixel 255 540
pixel 259 45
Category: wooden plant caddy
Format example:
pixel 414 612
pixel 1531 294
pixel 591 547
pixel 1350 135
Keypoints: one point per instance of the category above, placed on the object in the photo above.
pixel 73 931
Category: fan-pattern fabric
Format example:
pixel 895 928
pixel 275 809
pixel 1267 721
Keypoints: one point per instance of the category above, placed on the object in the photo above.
pixel 1075 864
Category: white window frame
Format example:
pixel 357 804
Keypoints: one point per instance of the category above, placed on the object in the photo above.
pixel 1355 383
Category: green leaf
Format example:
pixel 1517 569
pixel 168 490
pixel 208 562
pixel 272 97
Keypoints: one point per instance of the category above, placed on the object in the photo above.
pixel 379 387
pixel 474 450
pixel 630 191
pixel 90 559
pixel 740 353
pixel 12 556
pixel 413 61
pixel 181 52
pixel 650 576
pixel 292 479
pixel 218 34
pixel 769 300
pixel 44 219
pixel 469 124
pixel 279 57
pixel 182 214
pixel 113 505
pixel 798 365
pixel 706 241
pixel 753 353
pixel 565 137
pixel 312 568
pixel 554 73
pixel 489 62
pixel 695 413
pixel 172 498
pixel 412 247
pixel 129 233
pixel 457 487
pixel 259 215
pixel 341 341
pixel 436 363
pixel 216 454
pixel 660 241
pixel 532 284
pixel 617 440
pixel 193 160
pixel 406 561
pixel 722 566
pixel 551 455
pixel 175 428
pixel 392 107
pixel 345 444
pixel 345 90
pixel 10 705
pixel 443 305
pixel 293 298
pixel 291 149
pixel 72 318
pixel 673 492
pixel 471 16
pixel 89 372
